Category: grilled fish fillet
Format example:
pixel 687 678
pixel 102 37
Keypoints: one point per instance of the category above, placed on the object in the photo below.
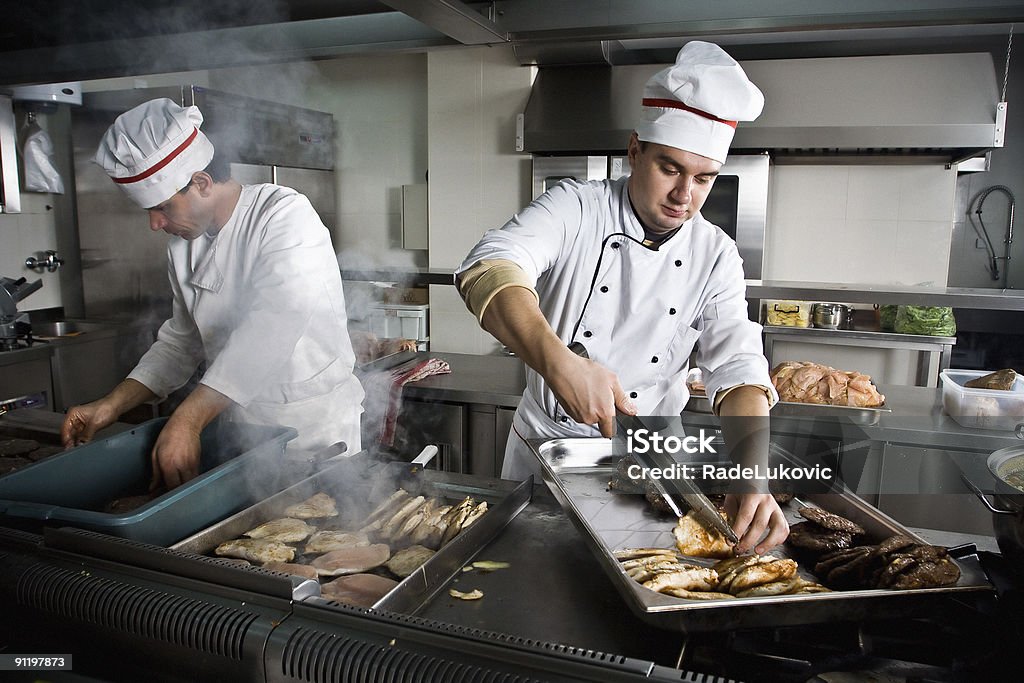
pixel 352 560
pixel 391 526
pixel 691 579
pixel 413 521
pixel 254 550
pixel 456 517
pixel 385 510
pixel 431 530
pixel 330 539
pixel 762 573
pixel 361 590
pixel 405 562
pixel 285 530
pixel 316 506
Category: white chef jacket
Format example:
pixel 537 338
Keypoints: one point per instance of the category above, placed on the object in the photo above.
pixel 638 311
pixel 261 302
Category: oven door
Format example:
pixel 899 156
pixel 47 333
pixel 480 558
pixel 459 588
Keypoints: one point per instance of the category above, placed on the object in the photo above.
pixel 547 171
pixel 738 204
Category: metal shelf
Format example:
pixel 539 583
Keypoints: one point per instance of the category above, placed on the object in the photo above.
pixel 956 297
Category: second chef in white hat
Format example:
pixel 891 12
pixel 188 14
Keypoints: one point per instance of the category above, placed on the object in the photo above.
pixel 257 298
pixel 630 270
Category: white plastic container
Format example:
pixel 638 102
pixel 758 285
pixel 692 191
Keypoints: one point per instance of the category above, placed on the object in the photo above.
pixel 981 408
pixel 400 321
pixel 787 313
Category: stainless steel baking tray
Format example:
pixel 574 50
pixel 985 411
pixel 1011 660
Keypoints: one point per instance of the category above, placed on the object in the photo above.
pixel 347 480
pixel 853 415
pixel 577 472
pixel 857 416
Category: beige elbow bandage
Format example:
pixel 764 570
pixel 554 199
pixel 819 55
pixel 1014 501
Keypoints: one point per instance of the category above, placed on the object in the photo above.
pixel 479 284
pixel 725 392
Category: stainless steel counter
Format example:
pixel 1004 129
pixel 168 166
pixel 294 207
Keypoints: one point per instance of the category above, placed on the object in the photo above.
pixel 37 351
pixel 489 380
pixel 916 412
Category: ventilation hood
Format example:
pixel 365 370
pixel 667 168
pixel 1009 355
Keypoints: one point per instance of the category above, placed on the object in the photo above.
pixel 908 108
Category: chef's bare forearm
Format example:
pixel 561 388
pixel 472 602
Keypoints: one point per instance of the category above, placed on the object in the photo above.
pixel 744 417
pixel 198 409
pixel 514 318
pixel 128 394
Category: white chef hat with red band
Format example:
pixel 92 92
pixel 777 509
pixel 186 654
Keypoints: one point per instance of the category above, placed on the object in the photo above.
pixel 152 151
pixel 694 104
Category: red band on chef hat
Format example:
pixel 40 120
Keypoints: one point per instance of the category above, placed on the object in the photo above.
pixel 152 151
pixel 166 160
pixel 674 104
pixel 695 104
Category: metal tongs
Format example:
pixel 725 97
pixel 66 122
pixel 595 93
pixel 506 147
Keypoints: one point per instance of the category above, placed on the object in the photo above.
pixel 685 488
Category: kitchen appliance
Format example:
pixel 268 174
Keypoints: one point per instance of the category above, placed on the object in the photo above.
pixel 831 316
pixel 123 265
pixel 361 478
pixel 815 109
pixel 738 202
pixel 14 327
pixel 150 613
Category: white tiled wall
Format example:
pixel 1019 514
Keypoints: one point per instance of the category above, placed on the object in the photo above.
pixel 878 224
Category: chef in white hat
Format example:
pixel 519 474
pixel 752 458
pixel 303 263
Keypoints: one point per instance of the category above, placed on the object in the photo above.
pixel 257 297
pixel 630 270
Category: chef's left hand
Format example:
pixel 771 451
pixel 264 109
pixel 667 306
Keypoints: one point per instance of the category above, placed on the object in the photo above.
pixel 753 514
pixel 175 455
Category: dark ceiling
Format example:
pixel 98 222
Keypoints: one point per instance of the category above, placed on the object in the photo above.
pixel 43 41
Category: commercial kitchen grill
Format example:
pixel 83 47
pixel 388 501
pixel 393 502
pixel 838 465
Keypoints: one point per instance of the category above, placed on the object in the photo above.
pixel 132 610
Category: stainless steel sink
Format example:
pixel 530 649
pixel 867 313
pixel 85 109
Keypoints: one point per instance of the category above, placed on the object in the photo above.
pixel 65 328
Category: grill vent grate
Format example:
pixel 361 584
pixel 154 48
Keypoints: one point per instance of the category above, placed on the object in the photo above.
pixel 455 629
pixel 144 612
pixel 317 657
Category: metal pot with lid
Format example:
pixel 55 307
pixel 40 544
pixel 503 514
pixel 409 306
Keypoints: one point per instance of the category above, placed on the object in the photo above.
pixel 1007 468
pixel 832 316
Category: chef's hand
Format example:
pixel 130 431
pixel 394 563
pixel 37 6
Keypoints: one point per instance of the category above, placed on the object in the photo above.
pixel 589 392
pixel 175 455
pixel 753 514
pixel 82 422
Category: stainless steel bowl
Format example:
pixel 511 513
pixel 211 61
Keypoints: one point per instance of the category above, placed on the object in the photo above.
pixel 832 316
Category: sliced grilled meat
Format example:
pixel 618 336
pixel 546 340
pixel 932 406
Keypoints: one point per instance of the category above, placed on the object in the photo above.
pixel 830 520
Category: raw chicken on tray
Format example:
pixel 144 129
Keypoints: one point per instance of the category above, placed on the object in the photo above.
pixel 806 382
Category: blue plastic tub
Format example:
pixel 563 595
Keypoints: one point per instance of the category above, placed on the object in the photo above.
pixel 240 464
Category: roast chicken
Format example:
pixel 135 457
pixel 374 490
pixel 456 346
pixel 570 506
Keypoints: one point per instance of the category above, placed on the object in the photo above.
pixel 806 382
